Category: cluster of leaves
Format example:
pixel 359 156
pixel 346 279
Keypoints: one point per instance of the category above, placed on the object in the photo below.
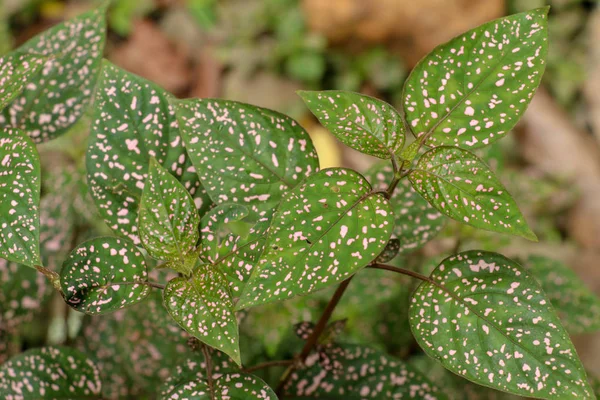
pixel 228 198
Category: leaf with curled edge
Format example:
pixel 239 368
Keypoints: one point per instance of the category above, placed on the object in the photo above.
pixel 103 275
pixel 472 90
pixel 417 222
pixel 364 123
pixel 168 220
pixel 464 188
pixel 16 69
pixel 483 317
pixel 52 373
pixel 363 373
pixel 203 306
pixel 324 230
pixel 133 122
pixel 59 93
pixel 19 198
pixel 245 154
pixel 577 305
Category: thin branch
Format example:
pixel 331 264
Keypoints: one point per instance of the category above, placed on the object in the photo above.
pixel 155 285
pixel 403 272
pixel 268 364
pixel 314 337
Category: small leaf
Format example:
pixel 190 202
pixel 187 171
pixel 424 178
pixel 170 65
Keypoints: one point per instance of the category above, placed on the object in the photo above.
pixel 471 91
pixel 189 382
pixel 19 198
pixel 484 318
pixel 16 69
pixel 392 249
pixel 213 228
pixel 104 275
pixel 168 219
pixel 462 187
pixel 416 221
pixel 364 123
pixel 577 306
pixel 365 373
pixel 59 93
pixel 53 373
pixel 202 305
pixel 245 154
pixel 324 231
pixel 133 122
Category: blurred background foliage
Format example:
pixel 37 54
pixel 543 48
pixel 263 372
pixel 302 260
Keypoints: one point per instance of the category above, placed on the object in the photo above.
pixel 261 52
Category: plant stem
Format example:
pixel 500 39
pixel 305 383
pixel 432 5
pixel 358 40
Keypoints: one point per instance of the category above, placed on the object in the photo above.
pixel 403 272
pixel 397 176
pixel 155 285
pixel 209 375
pixel 314 337
pixel 268 364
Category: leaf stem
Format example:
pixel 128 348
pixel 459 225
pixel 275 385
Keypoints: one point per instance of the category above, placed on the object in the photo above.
pixel 268 364
pixel 403 272
pixel 155 285
pixel 209 375
pixel 397 176
pixel 314 337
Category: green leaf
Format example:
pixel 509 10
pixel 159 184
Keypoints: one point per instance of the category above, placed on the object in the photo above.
pixel 484 318
pixel 189 382
pixel 53 373
pixel 133 122
pixel 577 306
pixel 104 275
pixel 471 91
pixel 365 373
pixel 168 219
pixel 19 198
pixel 324 231
pixel 202 305
pixel 462 187
pixel 213 228
pixel 16 70
pixel 362 122
pixel 58 94
pixel 245 154
pixel 416 221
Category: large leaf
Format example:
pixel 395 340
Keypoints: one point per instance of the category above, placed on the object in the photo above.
pixel 462 187
pixel 16 70
pixel 324 230
pixel 202 305
pixel 19 198
pixel 168 219
pixel 52 373
pixel 133 122
pixel 577 306
pixel 57 95
pixel 416 221
pixel 364 374
pixel 472 90
pixel 362 122
pixel 245 154
pixel 484 318
pixel 104 275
